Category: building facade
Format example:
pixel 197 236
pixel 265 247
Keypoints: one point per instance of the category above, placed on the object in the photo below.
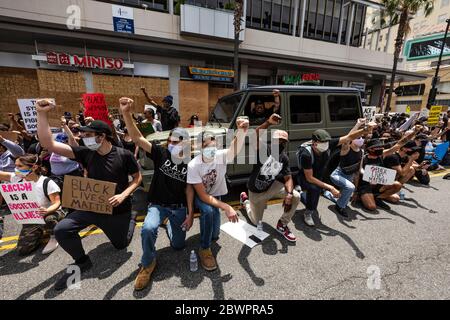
pixel 63 48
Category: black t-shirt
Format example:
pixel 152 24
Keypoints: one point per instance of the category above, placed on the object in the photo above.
pixel 169 117
pixel 169 179
pixel 350 162
pixel 320 160
pixel 130 146
pixel 260 118
pixel 394 160
pixel 264 174
pixel 115 167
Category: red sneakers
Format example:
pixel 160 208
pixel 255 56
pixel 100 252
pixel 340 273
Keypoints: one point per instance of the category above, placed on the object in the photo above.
pixel 242 198
pixel 284 230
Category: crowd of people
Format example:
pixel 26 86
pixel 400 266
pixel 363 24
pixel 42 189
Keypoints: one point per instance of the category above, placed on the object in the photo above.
pixel 84 147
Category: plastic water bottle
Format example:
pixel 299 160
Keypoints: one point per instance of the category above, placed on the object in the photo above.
pixel 193 262
pixel 402 195
pixel 259 226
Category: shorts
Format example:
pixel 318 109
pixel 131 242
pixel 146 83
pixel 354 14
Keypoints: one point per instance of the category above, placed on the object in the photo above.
pixel 369 188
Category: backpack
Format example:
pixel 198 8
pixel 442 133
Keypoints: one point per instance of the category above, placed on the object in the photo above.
pixel 45 187
pixel 308 147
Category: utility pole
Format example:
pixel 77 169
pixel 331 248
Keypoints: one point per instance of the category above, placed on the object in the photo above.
pixel 238 9
pixel 433 90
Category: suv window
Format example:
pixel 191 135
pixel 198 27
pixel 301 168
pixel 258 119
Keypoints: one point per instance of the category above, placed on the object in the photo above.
pixel 226 108
pixel 259 108
pixel 305 109
pixel 343 107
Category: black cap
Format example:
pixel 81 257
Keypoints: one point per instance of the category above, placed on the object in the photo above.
pixel 374 143
pixel 421 136
pixel 97 126
pixel 412 145
pixel 321 135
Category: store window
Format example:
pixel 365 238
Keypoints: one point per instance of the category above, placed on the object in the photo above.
pixel 270 15
pixel 343 107
pixel 305 109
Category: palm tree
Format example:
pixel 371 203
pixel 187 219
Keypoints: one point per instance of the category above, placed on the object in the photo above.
pixel 238 9
pixel 401 11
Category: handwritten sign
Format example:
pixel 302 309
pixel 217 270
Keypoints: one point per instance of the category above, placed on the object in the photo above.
pixel 146 128
pixel 114 112
pixel 28 111
pixel 433 116
pixel 95 106
pixel 9 135
pixel 22 203
pixel 379 175
pixel 88 194
pixel 369 113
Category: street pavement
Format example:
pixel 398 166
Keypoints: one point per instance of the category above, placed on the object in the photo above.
pixel 339 259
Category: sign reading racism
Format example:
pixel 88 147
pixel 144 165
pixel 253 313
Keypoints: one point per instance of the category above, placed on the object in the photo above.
pixel 88 194
pixel 22 202
pixel 369 113
pixel 28 111
pixel 379 175
pixel 95 106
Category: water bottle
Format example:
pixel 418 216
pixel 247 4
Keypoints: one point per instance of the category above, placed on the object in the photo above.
pixel 402 195
pixel 259 226
pixel 193 262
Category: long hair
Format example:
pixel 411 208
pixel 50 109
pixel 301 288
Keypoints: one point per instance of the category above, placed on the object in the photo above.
pixel 30 160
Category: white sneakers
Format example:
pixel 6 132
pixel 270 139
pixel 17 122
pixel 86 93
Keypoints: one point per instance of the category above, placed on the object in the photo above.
pixel 51 246
pixel 308 218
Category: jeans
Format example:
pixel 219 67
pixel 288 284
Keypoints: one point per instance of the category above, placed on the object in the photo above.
pixel 346 187
pixel 311 193
pixel 209 223
pixel 155 216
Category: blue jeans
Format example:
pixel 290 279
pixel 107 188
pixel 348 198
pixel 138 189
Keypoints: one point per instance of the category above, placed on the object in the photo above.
pixel 155 216
pixel 209 223
pixel 345 184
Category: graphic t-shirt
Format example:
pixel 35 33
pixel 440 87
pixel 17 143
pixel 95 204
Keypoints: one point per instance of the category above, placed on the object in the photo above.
pixel 211 174
pixel 115 167
pixel 169 179
pixel 38 188
pixel 320 160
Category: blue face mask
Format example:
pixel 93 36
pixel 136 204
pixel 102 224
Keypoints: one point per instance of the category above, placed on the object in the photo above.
pixel 209 152
pixel 22 173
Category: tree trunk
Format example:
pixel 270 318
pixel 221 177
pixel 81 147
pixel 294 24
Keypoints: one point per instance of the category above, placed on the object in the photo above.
pixel 237 29
pixel 398 48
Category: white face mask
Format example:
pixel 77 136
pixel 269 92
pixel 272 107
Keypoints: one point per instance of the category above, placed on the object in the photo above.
pixel 91 143
pixel 358 142
pixel 209 152
pixel 322 146
pixel 175 149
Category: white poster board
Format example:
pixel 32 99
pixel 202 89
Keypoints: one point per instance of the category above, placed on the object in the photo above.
pixel 28 111
pixel 369 113
pixel 242 231
pixel 379 175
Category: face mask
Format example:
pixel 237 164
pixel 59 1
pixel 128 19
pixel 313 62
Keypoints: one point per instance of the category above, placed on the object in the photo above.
pixel 174 149
pixel 22 173
pixel 376 152
pixel 210 152
pixel 358 142
pixel 322 147
pixel 91 143
pixel 410 153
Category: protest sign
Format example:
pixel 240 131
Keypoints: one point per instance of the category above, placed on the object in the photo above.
pixel 433 116
pixel 95 106
pixel 369 113
pixel 146 128
pixel 439 152
pixel 22 203
pixel 88 194
pixel 379 175
pixel 408 110
pixel 114 112
pixel 9 135
pixel 243 232
pixel 409 122
pixel 28 111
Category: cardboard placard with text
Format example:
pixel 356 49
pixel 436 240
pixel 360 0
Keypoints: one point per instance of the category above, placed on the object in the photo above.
pixel 114 111
pixel 29 115
pixel 9 135
pixel 369 113
pixel 95 106
pixel 379 175
pixel 22 202
pixel 88 194
pixel 433 116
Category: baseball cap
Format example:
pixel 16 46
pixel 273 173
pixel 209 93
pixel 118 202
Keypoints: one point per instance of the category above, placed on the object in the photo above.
pixel 178 134
pixel 412 145
pixel 97 126
pixel 321 135
pixel 280 134
pixel 169 99
pixel 374 143
pixel 61 137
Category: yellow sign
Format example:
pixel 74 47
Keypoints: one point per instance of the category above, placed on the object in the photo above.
pixel 433 116
pixel 408 109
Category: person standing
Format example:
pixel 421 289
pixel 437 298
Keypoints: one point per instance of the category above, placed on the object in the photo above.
pixel 149 115
pixel 168 114
pixel 169 195
pixel 104 162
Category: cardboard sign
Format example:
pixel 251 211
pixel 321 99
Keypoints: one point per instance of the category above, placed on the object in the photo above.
pixel 28 111
pixel 242 231
pixel 9 135
pixel 146 128
pixel 114 112
pixel 433 116
pixel 369 113
pixel 88 194
pixel 379 175
pixel 95 106
pixel 409 122
pixel 22 203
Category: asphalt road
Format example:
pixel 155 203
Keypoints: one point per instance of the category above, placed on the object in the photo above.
pixel 409 246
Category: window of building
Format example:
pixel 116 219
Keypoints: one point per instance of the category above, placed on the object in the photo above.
pixel 271 15
pixel 305 109
pixel 442 18
pixel 343 107
pixel 444 3
pixel 157 5
pixel 444 87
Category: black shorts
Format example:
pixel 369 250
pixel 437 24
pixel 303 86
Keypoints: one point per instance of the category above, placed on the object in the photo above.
pixel 369 188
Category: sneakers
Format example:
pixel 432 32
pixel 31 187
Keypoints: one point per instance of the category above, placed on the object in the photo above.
pixel 284 230
pixel 207 259
pixel 51 246
pixel 61 284
pixel 242 198
pixel 144 275
pixel 308 218
pixel 341 211
pixel 383 205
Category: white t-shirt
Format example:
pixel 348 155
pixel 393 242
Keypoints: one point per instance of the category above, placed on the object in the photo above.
pixel 211 174
pixel 38 188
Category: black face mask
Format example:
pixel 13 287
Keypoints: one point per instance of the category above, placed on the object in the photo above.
pixel 376 152
pixel 410 152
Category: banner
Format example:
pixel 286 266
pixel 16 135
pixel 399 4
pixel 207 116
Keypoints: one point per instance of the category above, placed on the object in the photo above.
pixel 95 106
pixel 146 128
pixel 433 116
pixel 9 135
pixel 369 113
pixel 88 194
pixel 22 203
pixel 379 175
pixel 28 111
